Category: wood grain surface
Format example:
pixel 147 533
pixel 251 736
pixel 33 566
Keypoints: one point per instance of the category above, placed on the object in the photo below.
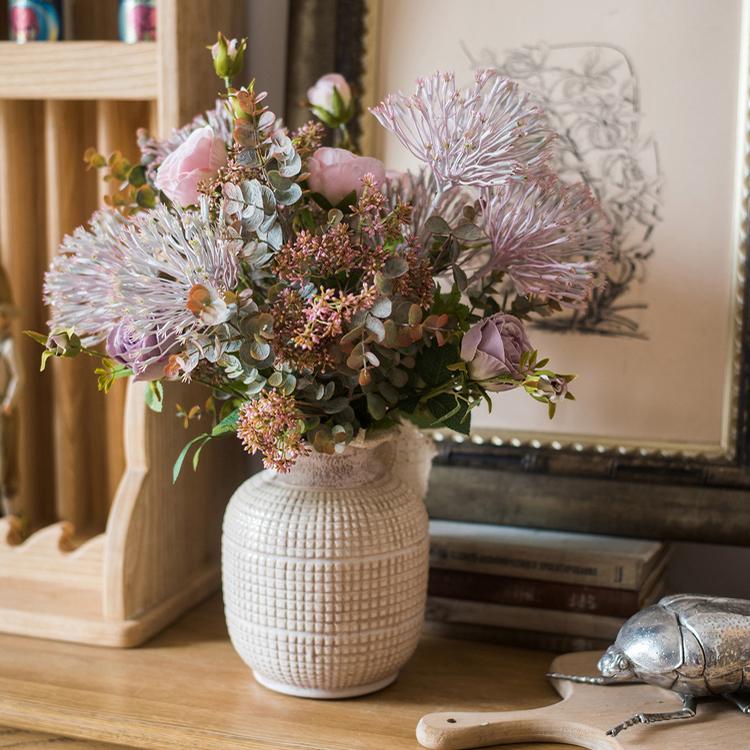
pixel 584 715
pixel 187 688
pixel 78 70
pixel 18 739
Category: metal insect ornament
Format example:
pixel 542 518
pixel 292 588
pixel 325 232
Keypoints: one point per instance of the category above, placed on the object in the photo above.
pixel 690 644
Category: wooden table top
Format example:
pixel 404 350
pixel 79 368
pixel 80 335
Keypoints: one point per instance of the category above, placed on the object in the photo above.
pixel 187 688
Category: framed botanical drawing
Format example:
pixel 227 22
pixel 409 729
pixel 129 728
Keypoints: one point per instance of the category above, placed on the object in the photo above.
pixel 651 101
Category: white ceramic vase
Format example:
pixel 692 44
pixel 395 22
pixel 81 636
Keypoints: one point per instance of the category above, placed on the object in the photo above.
pixel 325 572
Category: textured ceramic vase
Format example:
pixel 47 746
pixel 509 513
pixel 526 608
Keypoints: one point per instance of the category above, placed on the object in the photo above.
pixel 325 573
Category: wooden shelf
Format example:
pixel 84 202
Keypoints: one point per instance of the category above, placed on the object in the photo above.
pixel 79 70
pixel 187 688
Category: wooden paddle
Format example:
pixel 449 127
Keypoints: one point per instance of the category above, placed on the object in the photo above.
pixel 584 715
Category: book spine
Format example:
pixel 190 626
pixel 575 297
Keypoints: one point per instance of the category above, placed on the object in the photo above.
pixel 525 592
pixel 517 638
pixel 520 563
pixel 441 609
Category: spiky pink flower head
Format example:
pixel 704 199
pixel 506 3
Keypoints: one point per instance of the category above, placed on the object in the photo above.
pixel 550 238
pixel 80 285
pixel 165 272
pixel 475 136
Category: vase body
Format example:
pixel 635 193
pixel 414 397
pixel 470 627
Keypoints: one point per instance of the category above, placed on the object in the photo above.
pixel 325 573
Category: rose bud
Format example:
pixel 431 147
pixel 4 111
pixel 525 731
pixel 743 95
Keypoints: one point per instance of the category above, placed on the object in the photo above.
pixel 330 100
pixel 228 56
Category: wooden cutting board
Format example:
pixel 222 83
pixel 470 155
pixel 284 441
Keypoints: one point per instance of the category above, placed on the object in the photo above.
pixel 585 713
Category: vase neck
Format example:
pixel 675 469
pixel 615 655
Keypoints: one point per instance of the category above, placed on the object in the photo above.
pixel 354 467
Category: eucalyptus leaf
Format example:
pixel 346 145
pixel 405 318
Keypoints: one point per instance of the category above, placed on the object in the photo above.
pixel 468 233
pixel 376 327
pixel 395 267
pixel 437 225
pixel 376 406
pixel 381 308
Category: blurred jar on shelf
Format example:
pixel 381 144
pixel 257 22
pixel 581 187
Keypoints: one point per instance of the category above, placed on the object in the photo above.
pixel 137 20
pixel 35 20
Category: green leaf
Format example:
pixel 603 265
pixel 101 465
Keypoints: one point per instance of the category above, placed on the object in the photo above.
pixel 459 276
pixel 228 424
pixel 335 405
pixel 197 454
pixel 339 108
pixel 322 201
pixel 395 267
pixel 155 396
pixel 46 354
pixel 398 377
pixel 450 412
pixel 40 338
pixel 468 233
pixel 376 406
pixel 432 363
pixel 437 225
pixel 137 176
pixel 145 197
pixel 177 468
pixel 324 116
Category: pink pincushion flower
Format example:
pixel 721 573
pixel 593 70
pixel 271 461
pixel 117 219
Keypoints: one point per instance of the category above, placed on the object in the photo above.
pixel 336 172
pixel 493 347
pixel 550 238
pixel 196 159
pixel 477 136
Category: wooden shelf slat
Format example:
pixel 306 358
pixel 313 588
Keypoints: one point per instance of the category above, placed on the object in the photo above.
pixel 78 70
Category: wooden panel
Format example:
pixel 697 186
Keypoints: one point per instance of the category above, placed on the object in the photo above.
pixel 95 19
pixel 187 81
pixel 162 535
pixel 24 254
pixel 80 451
pixel 117 122
pixel 189 689
pixel 78 70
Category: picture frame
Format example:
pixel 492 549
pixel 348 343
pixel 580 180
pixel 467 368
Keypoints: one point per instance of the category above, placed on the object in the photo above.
pixel 604 483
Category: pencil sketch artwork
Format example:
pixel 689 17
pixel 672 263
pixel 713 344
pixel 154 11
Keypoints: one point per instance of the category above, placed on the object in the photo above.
pixel 591 94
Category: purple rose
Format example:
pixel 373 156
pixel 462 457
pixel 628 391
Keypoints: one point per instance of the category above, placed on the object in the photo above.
pixel 493 347
pixel 335 172
pixel 146 356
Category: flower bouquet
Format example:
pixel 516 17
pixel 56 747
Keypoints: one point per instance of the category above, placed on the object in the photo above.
pixel 321 298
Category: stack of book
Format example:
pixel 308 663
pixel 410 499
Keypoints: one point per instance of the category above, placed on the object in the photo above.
pixel 554 590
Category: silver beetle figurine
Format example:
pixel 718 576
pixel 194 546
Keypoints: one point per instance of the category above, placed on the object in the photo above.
pixel 693 645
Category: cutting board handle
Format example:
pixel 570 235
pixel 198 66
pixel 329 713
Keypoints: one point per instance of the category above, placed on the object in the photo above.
pixel 459 730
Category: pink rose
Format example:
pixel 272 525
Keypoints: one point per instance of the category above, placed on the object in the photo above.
pixel 335 172
pixel 493 347
pixel 197 159
pixel 321 94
